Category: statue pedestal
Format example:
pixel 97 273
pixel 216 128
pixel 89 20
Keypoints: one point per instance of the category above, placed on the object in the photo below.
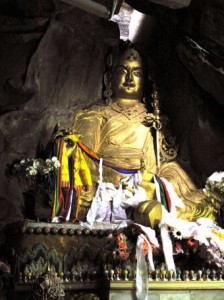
pixel 74 260
pixel 126 290
pixel 176 290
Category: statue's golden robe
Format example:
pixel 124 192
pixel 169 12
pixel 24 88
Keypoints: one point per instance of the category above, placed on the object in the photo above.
pixel 119 136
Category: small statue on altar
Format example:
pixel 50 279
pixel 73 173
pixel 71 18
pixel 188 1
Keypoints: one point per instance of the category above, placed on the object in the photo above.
pixel 119 134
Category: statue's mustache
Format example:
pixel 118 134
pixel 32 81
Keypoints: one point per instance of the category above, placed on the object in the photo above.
pixel 128 84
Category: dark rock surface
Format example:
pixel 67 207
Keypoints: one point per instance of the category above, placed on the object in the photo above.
pixel 51 65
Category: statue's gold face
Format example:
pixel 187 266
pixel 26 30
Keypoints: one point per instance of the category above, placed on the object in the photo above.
pixel 127 79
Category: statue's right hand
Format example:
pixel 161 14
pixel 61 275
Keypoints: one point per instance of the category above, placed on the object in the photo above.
pixel 62 133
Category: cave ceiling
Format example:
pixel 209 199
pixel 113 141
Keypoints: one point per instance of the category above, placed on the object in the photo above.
pixel 197 26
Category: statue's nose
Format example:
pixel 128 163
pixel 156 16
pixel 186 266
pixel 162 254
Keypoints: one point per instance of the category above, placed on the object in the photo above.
pixel 129 76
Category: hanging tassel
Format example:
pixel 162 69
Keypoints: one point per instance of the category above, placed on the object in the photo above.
pixel 141 271
pixel 167 248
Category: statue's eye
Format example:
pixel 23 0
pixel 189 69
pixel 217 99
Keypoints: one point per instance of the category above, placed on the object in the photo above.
pixel 137 73
pixel 119 70
pixel 122 71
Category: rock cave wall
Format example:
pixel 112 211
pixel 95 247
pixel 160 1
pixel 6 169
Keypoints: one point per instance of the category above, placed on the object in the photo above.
pixel 52 62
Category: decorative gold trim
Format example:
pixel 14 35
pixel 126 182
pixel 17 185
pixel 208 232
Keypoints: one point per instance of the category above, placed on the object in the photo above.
pixel 170 285
pixel 130 285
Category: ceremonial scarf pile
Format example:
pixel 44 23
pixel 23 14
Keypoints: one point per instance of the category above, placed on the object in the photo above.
pixel 74 175
pixel 164 194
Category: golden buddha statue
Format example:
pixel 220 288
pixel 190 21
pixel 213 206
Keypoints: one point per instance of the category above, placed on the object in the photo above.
pixel 117 133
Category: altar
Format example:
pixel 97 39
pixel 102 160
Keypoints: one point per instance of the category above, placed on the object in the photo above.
pixel 78 264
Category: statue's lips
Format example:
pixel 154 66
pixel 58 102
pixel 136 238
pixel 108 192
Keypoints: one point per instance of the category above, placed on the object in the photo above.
pixel 128 86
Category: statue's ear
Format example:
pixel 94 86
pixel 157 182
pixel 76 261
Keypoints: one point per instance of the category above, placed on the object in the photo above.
pixel 107 80
pixel 109 61
pixel 107 91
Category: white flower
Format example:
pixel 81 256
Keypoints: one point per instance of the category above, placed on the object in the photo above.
pixel 36 164
pixel 45 171
pixel 57 164
pixel 32 172
pixel 54 159
pixel 22 162
pixel 177 234
pixel 217 177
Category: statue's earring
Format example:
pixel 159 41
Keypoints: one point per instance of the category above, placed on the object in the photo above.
pixel 108 91
pixel 107 94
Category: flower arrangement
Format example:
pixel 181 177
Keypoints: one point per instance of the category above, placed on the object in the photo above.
pixel 122 245
pixel 203 249
pixel 200 251
pixel 34 172
pixel 120 253
pixel 32 167
pixel 215 185
pixel 36 176
pixel 121 249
